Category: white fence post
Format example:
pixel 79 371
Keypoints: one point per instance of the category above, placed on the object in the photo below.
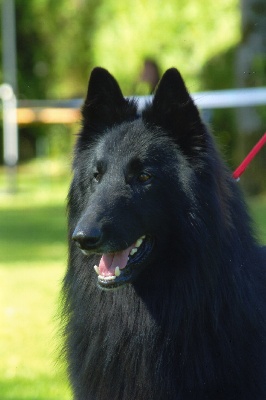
pixel 10 134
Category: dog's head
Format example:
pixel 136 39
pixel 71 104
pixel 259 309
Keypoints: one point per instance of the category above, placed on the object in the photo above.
pixel 133 174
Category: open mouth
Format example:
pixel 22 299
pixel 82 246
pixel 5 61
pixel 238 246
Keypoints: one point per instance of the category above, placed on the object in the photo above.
pixel 118 268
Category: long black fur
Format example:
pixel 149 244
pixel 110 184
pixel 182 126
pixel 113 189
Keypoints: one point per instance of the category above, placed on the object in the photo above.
pixel 192 325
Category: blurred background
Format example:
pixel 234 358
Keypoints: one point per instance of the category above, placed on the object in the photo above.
pixel 48 50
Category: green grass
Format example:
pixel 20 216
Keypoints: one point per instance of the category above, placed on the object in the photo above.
pixel 258 211
pixel 28 304
pixel 32 262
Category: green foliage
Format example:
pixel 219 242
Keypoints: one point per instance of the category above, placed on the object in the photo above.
pixel 59 42
pixel 176 33
pixel 54 40
pixel 218 73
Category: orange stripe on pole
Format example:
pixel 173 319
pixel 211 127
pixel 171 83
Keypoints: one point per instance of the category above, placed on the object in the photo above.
pixel 25 116
pixel 48 115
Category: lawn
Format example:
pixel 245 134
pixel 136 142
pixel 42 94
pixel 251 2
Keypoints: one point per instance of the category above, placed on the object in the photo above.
pixel 32 262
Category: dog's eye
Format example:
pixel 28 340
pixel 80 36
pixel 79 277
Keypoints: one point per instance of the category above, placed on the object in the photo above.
pixel 97 176
pixel 144 177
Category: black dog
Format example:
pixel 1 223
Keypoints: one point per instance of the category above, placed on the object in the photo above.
pixel 165 288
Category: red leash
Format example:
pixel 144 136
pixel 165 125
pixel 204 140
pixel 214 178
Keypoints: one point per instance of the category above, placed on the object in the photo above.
pixel 239 171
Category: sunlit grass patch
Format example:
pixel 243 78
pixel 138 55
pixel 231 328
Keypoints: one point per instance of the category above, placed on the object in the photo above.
pixel 33 258
pixel 30 341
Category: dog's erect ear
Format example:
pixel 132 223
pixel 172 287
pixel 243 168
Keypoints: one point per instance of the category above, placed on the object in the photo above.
pixel 173 110
pixel 105 105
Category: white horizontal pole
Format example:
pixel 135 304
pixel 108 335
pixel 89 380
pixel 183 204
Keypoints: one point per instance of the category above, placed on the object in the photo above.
pixel 231 98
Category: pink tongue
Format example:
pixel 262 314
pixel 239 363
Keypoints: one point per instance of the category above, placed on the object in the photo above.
pixel 109 262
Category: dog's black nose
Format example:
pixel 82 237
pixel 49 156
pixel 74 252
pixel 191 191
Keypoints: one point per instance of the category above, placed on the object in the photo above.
pixel 87 239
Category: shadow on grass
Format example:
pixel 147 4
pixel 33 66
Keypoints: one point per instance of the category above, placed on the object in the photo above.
pixel 28 234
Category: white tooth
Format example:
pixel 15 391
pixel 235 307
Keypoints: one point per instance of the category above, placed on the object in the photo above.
pixel 106 278
pixel 97 269
pixel 117 271
pixel 138 242
pixel 133 251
